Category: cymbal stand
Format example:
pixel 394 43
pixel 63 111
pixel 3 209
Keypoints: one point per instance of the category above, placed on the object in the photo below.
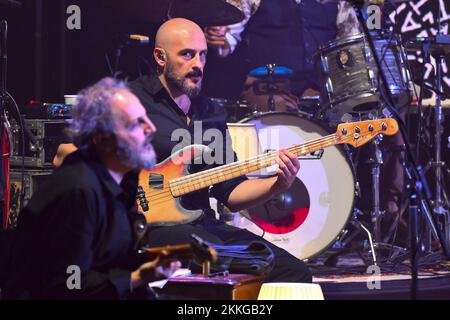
pixel 440 201
pixel 271 87
pixel 376 160
pixel 379 245
pixel 416 191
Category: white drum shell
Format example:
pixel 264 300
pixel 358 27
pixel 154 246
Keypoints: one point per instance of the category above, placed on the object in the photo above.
pixel 329 181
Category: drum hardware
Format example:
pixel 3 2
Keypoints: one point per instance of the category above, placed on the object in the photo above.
pixel 350 80
pixel 309 105
pixel 376 214
pixel 436 46
pixel 235 110
pixel 345 239
pixel 439 207
pixel 415 189
pixel 272 80
pixel 271 70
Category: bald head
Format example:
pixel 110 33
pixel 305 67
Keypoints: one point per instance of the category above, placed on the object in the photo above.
pixel 180 54
pixel 175 30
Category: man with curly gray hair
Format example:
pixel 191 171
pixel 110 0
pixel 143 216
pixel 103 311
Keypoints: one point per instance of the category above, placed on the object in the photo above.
pixel 80 222
pixel 94 121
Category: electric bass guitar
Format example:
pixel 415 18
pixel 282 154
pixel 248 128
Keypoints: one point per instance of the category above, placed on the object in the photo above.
pixel 160 188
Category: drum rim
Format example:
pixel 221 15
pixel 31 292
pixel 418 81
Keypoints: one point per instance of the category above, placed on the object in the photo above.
pixel 339 42
pixel 340 149
pixel 356 36
pixel 239 124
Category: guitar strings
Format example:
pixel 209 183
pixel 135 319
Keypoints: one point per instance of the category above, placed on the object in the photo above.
pixel 165 195
pixel 232 169
pixel 256 159
pixel 155 197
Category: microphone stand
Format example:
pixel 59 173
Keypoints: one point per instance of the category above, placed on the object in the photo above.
pixel 417 183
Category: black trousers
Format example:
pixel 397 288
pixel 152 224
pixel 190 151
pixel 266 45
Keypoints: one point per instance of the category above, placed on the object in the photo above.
pixel 287 268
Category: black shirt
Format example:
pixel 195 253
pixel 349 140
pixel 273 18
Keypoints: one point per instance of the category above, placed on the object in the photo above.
pixel 296 30
pixel 79 217
pixel 206 118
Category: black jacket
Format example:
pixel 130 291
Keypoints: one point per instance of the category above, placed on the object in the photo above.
pixel 80 217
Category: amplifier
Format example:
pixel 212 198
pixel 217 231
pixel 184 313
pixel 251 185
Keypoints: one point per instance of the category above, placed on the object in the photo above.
pixel 31 182
pixel 49 135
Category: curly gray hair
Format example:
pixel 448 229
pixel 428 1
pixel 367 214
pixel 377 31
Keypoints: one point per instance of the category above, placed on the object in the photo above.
pixel 92 113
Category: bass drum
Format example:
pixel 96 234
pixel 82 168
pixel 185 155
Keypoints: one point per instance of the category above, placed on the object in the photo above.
pixel 309 217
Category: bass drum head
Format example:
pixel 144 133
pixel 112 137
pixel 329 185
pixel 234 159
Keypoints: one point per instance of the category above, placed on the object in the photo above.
pixel 307 218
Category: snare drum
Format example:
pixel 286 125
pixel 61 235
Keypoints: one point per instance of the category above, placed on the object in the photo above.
pixel 350 78
pixel 308 217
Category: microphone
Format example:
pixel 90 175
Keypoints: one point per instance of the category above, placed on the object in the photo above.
pixel 129 39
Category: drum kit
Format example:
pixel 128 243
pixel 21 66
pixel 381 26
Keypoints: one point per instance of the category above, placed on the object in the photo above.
pixel 361 75
pixel 318 210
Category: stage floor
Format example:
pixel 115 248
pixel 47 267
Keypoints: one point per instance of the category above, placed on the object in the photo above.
pixel 351 277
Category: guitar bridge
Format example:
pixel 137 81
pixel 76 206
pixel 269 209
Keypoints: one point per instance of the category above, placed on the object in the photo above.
pixel 140 196
pixel 156 181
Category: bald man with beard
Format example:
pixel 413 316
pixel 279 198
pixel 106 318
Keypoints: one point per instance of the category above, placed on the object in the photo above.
pixel 172 100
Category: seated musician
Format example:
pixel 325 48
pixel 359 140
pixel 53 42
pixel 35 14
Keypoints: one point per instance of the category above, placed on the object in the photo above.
pixel 75 238
pixel 171 98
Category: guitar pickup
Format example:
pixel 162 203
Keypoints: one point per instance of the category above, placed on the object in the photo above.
pixel 156 181
pixel 315 154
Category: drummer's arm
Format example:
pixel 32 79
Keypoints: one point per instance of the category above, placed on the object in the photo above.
pixel 346 20
pixel 253 192
pixel 226 38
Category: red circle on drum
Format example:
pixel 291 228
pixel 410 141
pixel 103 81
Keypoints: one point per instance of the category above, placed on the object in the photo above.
pixel 285 212
pixel 286 225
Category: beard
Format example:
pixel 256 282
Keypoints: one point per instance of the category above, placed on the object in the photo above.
pixel 180 82
pixel 136 157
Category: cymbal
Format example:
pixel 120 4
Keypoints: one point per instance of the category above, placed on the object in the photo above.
pixel 203 12
pixel 278 71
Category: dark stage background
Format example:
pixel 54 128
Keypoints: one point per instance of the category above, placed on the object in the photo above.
pixel 47 60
